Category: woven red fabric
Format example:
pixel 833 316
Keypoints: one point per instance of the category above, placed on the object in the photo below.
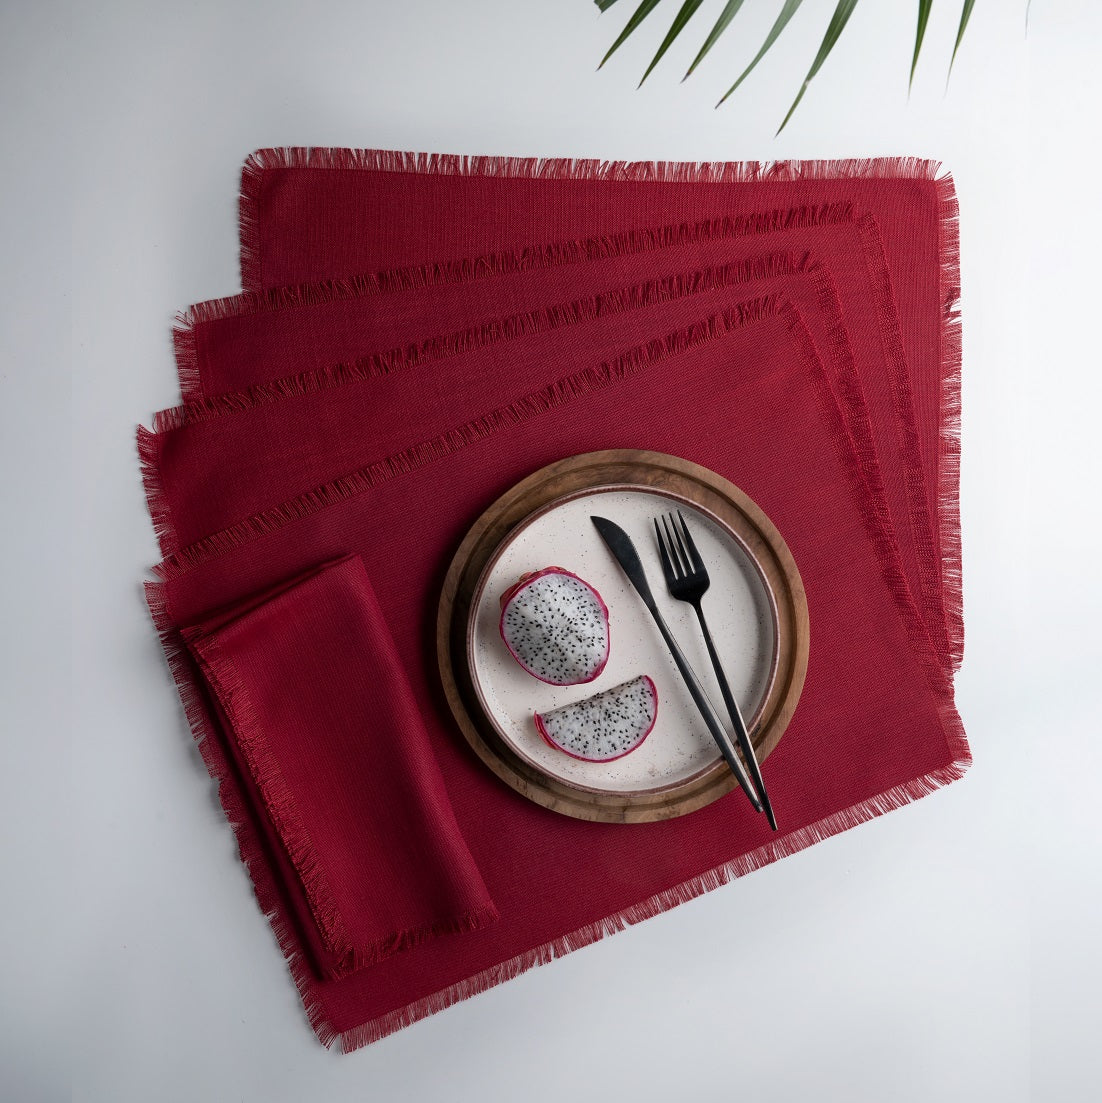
pixel 316 713
pixel 286 342
pixel 198 442
pixel 323 214
pixel 876 725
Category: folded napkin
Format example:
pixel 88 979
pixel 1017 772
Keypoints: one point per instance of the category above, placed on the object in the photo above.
pixel 742 391
pixel 315 716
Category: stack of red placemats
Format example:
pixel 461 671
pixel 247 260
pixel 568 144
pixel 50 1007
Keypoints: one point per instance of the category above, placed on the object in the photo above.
pixel 417 333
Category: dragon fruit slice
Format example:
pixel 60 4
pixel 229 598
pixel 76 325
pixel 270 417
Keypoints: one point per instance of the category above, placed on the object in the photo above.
pixel 605 726
pixel 556 626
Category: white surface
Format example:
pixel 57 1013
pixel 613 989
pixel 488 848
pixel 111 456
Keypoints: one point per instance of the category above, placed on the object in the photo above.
pixel 945 952
pixel 739 611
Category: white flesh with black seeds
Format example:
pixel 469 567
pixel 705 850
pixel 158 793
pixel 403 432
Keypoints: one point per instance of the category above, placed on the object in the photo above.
pixel 605 726
pixel 557 627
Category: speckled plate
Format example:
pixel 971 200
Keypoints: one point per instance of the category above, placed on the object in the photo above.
pixel 755 608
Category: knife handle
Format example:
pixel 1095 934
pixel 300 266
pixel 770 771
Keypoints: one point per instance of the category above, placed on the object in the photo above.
pixel 700 699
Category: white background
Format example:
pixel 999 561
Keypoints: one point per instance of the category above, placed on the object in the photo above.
pixel 946 952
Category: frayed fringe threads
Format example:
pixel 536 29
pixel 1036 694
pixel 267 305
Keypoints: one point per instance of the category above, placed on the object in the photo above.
pixel 416 457
pixel 616 301
pixel 263 161
pixel 212 311
pixel 949 535
pixel 251 853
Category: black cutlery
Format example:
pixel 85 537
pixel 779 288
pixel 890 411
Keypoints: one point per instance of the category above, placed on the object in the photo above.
pixel 687 580
pixel 619 543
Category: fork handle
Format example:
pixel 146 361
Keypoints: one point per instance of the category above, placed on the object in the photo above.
pixel 723 740
pixel 735 713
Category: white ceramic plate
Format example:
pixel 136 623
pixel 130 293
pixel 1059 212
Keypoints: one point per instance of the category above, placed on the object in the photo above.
pixel 739 607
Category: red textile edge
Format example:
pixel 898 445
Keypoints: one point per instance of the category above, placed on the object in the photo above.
pixel 527 258
pixel 615 301
pixel 248 843
pixel 149 458
pixel 547 397
pixel 380 160
pixel 633 297
pixel 951 407
pixel 930 565
pixel 227 686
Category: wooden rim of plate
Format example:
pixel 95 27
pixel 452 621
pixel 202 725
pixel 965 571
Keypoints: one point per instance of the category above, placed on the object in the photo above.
pixel 620 469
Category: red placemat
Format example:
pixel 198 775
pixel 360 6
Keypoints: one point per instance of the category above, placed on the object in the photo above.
pixel 186 459
pixel 257 340
pixel 743 393
pixel 310 214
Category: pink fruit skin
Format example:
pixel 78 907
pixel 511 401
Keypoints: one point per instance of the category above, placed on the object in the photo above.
pixel 581 758
pixel 527 580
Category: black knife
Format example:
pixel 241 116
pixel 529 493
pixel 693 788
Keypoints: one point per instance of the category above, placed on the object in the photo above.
pixel 619 543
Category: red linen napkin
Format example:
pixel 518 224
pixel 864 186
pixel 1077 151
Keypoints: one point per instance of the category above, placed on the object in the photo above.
pixel 325 741
pixel 743 393
pixel 254 340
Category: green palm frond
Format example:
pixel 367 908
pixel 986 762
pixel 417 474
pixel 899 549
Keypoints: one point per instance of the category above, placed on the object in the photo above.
pixel 787 12
pixel 688 10
pixel 729 12
pixel 834 30
pixel 837 25
pixel 637 17
pixel 924 7
pixel 965 15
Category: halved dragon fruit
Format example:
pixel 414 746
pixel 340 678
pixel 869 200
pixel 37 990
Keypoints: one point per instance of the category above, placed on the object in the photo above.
pixel 605 726
pixel 556 626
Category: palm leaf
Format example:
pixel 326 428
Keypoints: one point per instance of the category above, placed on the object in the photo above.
pixel 640 13
pixel 688 10
pixel 787 12
pixel 834 30
pixel 924 7
pixel 604 5
pixel 965 14
pixel 725 17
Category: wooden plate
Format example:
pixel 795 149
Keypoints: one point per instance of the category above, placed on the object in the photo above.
pixel 756 608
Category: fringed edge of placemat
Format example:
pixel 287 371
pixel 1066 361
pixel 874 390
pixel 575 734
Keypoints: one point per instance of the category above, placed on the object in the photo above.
pixel 951 410
pixel 553 394
pixel 924 529
pixel 489 265
pixel 633 297
pixel 262 161
pixel 148 444
pixel 889 801
pixel 617 300
pixel 251 852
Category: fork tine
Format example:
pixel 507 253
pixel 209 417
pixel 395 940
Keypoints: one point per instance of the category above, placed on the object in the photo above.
pixel 667 565
pixel 686 565
pixel 693 554
pixel 676 550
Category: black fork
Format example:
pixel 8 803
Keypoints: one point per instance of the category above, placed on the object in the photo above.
pixel 687 580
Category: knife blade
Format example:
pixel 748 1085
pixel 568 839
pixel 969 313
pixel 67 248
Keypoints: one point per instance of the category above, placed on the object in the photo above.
pixel 623 550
